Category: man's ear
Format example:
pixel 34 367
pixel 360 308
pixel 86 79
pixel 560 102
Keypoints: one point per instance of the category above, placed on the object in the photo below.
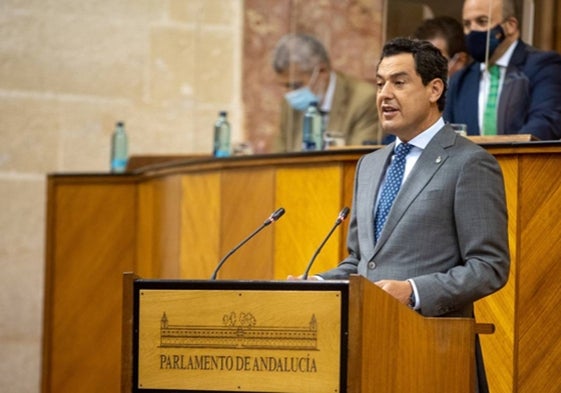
pixel 463 58
pixel 322 67
pixel 436 87
pixel 510 26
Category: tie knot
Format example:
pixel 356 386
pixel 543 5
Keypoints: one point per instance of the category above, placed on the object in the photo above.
pixel 494 71
pixel 402 150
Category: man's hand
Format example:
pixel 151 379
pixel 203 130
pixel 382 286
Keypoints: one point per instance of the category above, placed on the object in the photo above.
pixel 401 290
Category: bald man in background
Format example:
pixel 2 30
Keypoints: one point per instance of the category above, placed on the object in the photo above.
pixel 529 80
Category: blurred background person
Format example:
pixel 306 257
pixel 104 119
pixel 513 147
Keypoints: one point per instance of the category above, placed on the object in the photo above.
pixel 511 88
pixel 447 34
pixel 348 104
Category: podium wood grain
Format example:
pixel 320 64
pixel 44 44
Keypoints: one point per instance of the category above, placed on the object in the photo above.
pixel 91 227
pixel 406 352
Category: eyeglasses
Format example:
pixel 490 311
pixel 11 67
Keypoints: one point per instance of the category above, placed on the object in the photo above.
pixel 293 85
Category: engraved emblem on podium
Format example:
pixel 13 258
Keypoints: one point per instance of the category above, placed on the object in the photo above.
pixel 239 330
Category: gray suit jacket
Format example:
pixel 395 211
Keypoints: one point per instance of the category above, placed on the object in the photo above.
pixel 447 229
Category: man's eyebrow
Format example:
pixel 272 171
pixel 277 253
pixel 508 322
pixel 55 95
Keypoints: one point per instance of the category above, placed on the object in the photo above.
pixel 394 75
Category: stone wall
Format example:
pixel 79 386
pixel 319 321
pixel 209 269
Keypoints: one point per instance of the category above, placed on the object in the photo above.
pixel 68 71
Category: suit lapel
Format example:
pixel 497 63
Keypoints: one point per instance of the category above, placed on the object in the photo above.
pixel 431 159
pixel 515 85
pixel 371 182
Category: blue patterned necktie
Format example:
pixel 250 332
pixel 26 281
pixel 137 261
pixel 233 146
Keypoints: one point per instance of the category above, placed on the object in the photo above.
pixel 391 187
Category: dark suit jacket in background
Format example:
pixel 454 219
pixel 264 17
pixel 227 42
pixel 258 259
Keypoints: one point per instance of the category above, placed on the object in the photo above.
pixel 447 229
pixel 530 100
pixel 353 113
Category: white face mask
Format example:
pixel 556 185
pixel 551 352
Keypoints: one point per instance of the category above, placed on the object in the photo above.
pixel 301 98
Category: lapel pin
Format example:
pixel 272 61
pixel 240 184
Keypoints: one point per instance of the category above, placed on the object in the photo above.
pixel 438 159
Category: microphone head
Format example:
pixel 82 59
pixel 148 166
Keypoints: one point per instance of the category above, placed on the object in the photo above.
pixel 275 215
pixel 343 214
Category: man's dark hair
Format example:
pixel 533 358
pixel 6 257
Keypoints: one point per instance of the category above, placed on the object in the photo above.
pixel 445 27
pixel 429 62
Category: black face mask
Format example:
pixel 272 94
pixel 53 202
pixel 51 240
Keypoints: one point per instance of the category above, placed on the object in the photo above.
pixel 477 40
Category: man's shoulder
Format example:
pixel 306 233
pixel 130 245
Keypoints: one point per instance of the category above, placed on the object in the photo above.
pixel 461 148
pixel 531 58
pixel 379 154
pixel 356 85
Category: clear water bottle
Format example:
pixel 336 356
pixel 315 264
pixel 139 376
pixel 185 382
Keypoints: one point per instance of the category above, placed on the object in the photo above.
pixel 222 145
pixel 312 128
pixel 119 149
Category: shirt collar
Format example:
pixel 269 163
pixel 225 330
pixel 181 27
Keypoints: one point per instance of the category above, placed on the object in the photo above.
pixel 328 100
pixel 422 140
pixel 505 58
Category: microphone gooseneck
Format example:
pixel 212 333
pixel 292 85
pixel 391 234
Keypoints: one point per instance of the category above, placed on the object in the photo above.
pixel 342 216
pixel 272 218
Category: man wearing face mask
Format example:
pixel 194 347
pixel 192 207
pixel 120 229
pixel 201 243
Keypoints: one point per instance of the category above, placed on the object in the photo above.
pixel 348 105
pixel 515 88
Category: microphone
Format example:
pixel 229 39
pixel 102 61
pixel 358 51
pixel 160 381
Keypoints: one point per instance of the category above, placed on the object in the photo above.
pixel 342 215
pixel 272 218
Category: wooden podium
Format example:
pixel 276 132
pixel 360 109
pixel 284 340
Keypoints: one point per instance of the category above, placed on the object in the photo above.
pixel 289 337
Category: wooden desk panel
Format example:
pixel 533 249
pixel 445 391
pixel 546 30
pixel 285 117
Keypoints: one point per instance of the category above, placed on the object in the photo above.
pixel 311 198
pixel 90 242
pixel 247 199
pixel 499 308
pixel 538 285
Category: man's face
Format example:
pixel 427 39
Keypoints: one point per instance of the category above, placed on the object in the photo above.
pixel 405 106
pixel 294 78
pixel 475 15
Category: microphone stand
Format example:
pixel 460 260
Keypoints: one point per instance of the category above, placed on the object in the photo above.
pixel 274 217
pixel 342 215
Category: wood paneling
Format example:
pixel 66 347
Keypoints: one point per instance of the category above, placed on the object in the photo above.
pixel 247 200
pixel 200 223
pixel 499 308
pixel 90 242
pixel 538 300
pixel 312 197
pixel 524 355
pixel 159 220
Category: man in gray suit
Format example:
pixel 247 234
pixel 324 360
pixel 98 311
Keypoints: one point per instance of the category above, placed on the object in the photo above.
pixel 444 243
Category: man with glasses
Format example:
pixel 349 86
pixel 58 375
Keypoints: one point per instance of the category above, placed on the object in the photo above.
pixel 348 105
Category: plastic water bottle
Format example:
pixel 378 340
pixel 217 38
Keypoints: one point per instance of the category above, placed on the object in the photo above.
pixel 312 129
pixel 222 146
pixel 119 149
